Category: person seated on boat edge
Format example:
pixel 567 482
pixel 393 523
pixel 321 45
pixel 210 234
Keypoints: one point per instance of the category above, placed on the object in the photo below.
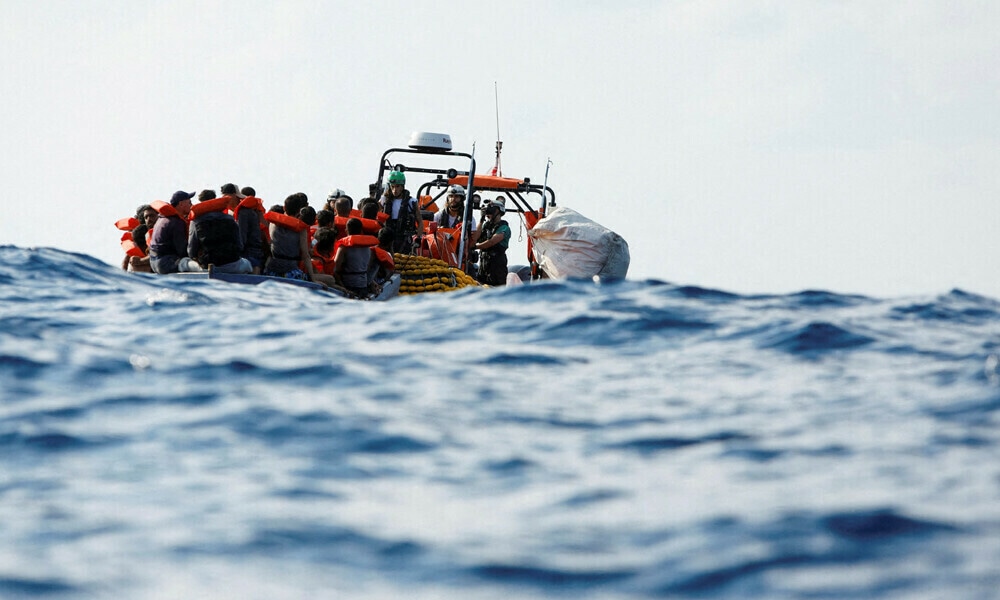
pixel 453 213
pixel 373 196
pixel 168 245
pixel 495 235
pixel 135 245
pixel 371 218
pixel 290 253
pixel 404 215
pixel 383 266
pixel 323 249
pixel 307 215
pixel 146 216
pixel 369 222
pixel 214 236
pixel 324 221
pixel 232 194
pixel 249 217
pixel 354 256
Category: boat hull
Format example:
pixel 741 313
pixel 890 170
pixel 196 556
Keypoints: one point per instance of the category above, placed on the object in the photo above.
pixel 389 290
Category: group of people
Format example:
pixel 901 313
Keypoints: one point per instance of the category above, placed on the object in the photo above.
pixel 339 246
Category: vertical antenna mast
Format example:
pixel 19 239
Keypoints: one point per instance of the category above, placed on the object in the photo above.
pixel 497 171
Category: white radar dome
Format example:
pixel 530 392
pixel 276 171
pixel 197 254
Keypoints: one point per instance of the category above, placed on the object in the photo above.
pixel 423 140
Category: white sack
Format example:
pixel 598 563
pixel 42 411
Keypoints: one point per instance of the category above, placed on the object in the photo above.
pixel 567 244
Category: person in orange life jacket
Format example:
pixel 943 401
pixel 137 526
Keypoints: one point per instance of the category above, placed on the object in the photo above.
pixel 369 218
pixel 308 216
pixel 495 235
pixel 451 215
pixel 383 265
pixel 249 216
pixel 168 246
pixel 214 237
pixel 343 205
pixel 369 200
pixel 233 196
pixel 352 261
pixel 324 221
pixel 290 253
pixel 139 264
pixel 146 215
pixel 323 250
pixel 404 213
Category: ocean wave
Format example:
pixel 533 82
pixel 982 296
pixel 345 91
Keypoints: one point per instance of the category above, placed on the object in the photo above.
pixel 564 438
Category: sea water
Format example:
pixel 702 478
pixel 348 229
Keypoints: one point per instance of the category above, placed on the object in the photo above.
pixel 195 439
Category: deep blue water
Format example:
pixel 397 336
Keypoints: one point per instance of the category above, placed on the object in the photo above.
pixel 181 439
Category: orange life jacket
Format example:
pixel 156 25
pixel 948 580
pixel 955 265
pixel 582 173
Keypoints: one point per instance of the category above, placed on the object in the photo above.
pixel 127 224
pixel 380 217
pixel 370 226
pixel 384 258
pixel 292 223
pixel 130 247
pixel 164 208
pixel 214 205
pixel 426 204
pixel 254 203
pixel 358 240
pixel 436 245
pixel 323 263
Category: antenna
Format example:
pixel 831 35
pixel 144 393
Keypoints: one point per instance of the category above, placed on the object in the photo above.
pixel 497 171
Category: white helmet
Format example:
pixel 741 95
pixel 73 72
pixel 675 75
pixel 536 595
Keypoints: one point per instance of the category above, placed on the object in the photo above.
pixel 456 189
pixel 337 193
pixel 500 203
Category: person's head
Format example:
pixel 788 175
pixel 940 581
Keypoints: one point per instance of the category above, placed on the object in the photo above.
pixel 343 206
pixel 384 238
pixel 230 189
pixel 334 195
pixel 325 239
pixel 182 202
pixel 139 236
pixel 494 209
pixel 248 191
pixel 307 215
pixel 397 184
pixel 354 226
pixel 325 218
pixel 295 203
pixel 369 210
pixel 147 215
pixel 206 195
pixel 456 200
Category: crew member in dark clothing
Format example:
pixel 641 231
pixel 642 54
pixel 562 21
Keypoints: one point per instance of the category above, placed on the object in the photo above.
pixel 404 220
pixel 495 236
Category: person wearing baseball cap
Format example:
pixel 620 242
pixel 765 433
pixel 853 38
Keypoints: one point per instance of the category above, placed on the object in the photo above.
pixel 168 245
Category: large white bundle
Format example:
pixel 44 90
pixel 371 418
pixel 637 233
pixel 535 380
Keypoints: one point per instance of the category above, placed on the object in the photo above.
pixel 567 244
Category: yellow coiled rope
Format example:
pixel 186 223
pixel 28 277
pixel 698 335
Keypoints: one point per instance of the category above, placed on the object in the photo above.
pixel 422 274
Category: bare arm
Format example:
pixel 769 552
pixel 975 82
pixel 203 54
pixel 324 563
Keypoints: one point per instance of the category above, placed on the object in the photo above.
pixel 304 255
pixel 493 241
pixel 338 265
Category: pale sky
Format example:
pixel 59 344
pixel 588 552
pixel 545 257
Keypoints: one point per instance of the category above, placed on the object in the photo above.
pixel 761 147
